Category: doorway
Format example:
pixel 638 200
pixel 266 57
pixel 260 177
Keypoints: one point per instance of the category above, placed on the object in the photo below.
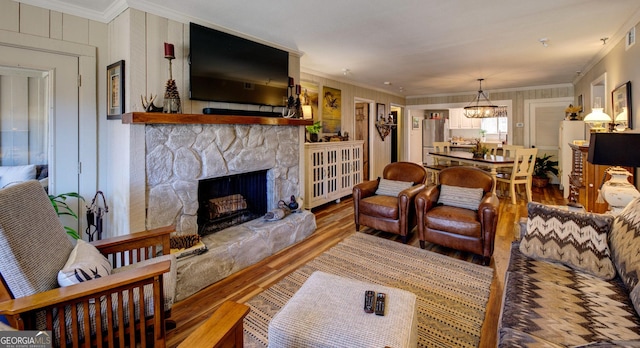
pixel 542 125
pixel 39 115
pixel 363 112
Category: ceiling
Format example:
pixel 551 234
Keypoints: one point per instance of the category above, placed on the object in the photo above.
pixel 419 47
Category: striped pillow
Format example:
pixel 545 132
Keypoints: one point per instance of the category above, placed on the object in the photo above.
pixel 392 188
pixel 461 197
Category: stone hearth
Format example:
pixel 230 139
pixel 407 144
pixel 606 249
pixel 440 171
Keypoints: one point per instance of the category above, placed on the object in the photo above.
pixel 177 156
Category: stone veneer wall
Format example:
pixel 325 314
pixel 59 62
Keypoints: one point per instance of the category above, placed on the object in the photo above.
pixel 177 156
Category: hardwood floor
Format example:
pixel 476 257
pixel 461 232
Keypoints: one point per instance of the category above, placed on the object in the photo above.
pixel 335 222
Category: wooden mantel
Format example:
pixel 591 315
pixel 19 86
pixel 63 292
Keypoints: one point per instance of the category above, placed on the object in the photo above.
pixel 162 118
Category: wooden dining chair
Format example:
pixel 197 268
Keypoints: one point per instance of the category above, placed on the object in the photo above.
pixel 492 147
pixel 438 164
pixel 521 172
pixel 510 150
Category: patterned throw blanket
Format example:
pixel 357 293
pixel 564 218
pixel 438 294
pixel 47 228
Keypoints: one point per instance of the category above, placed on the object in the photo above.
pixel 452 294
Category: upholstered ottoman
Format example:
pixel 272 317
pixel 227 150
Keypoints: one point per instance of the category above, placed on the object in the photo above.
pixel 327 311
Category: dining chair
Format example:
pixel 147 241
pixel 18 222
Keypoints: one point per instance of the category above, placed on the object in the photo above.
pixel 510 150
pixel 521 172
pixel 438 164
pixel 492 147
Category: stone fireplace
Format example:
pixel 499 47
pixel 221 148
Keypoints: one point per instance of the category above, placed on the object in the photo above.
pixel 178 156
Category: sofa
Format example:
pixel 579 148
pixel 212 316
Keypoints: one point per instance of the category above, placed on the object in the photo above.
pixel 572 280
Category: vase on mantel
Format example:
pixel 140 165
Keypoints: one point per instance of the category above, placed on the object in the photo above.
pixel 573 116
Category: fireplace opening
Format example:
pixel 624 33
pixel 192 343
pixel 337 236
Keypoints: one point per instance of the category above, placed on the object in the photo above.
pixel 231 200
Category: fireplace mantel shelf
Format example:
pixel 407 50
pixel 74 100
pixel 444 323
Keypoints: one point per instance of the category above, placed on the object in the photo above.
pixel 162 118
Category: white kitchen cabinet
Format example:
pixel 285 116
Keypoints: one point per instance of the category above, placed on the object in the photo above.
pixel 457 120
pixel 331 171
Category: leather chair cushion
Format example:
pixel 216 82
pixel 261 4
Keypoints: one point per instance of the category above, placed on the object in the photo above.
pixel 454 220
pixel 380 206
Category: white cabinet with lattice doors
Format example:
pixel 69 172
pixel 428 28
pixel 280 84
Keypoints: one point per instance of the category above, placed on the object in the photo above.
pixel 331 171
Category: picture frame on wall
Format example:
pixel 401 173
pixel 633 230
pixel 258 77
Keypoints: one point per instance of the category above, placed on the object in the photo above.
pixel 381 113
pixel 115 90
pixel 621 105
pixel 415 123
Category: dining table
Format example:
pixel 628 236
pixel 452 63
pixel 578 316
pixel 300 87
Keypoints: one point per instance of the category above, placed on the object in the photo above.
pixel 491 162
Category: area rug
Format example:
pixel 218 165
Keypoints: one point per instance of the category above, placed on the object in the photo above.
pixel 452 294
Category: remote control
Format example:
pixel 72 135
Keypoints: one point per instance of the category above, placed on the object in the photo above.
pixel 380 303
pixel 369 300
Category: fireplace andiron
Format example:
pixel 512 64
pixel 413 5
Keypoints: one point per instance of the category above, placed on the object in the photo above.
pixel 95 213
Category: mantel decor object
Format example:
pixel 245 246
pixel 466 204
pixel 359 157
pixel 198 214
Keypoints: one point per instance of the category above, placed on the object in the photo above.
pixel 171 96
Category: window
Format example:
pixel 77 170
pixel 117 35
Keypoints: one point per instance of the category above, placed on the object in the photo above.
pixel 494 125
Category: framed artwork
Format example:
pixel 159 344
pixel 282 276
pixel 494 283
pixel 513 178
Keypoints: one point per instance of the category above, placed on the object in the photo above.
pixel 381 113
pixel 621 104
pixel 115 90
pixel 331 110
pixel 630 38
pixel 415 123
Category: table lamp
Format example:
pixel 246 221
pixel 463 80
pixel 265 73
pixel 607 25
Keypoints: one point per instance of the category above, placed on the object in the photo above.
pixel 616 150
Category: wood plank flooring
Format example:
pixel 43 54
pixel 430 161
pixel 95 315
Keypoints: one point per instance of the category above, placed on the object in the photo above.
pixel 335 222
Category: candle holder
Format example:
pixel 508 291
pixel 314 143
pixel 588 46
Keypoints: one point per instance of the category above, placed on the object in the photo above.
pixel 293 106
pixel 171 103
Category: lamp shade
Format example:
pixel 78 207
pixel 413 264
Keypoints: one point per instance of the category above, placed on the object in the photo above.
pixel 614 149
pixel 597 116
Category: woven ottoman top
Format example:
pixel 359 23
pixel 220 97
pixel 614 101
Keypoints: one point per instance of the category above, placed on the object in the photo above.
pixel 327 311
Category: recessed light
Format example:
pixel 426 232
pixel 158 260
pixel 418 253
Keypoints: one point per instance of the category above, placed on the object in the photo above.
pixel 387 83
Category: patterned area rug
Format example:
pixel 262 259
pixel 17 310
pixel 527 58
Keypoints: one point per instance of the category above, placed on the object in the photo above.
pixel 452 294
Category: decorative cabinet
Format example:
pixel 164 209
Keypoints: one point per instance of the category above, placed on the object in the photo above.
pixel 331 171
pixel 569 131
pixel 457 120
pixel 586 179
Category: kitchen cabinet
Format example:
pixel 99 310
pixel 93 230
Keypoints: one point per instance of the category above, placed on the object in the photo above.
pixel 457 120
pixel 331 171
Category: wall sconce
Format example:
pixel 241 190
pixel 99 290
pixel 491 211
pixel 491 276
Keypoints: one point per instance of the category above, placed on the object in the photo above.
pixel 385 125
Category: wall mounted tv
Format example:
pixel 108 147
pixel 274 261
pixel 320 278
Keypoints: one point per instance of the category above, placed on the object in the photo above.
pixel 227 68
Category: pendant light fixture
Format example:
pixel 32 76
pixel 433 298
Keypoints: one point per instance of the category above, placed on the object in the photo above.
pixel 482 107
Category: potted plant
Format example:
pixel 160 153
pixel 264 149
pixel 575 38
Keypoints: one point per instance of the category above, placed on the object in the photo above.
pixel 541 169
pixel 479 151
pixel 313 130
pixel 63 209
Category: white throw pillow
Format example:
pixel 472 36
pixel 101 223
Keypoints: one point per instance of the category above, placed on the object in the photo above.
pixel 85 263
pixel 461 197
pixel 14 174
pixel 392 187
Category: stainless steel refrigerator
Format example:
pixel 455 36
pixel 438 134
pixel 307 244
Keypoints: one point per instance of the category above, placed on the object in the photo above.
pixel 433 130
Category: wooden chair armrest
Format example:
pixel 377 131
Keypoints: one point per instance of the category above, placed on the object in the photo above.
pixel 135 247
pixel 222 329
pixel 78 291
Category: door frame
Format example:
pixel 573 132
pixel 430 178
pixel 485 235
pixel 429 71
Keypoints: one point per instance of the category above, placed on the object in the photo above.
pixel 87 103
pixel 529 114
pixel 370 128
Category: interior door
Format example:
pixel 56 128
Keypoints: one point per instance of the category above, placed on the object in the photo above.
pixel 60 106
pixel 542 125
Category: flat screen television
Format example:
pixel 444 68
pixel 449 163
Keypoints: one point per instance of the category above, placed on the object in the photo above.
pixel 228 68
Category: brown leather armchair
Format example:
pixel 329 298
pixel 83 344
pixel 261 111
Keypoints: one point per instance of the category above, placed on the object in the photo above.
pixel 387 213
pixel 459 228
